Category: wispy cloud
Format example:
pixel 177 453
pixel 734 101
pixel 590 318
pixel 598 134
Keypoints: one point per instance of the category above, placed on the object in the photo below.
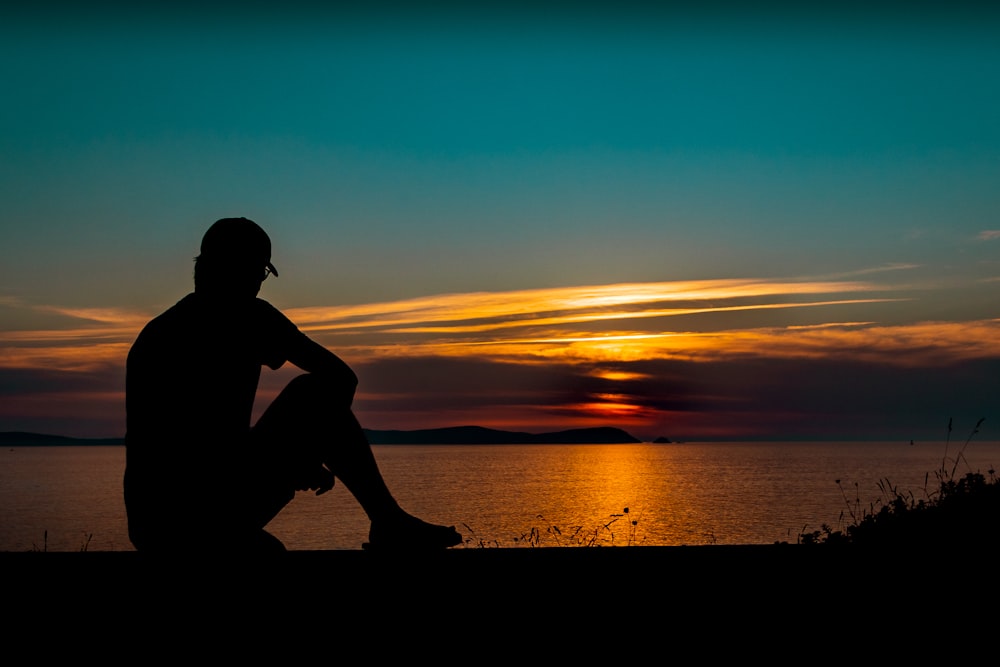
pixel 922 344
pixel 592 317
pixel 90 339
pixel 632 322
pixel 484 310
pixel 630 353
pixel 595 324
pixel 72 355
pixel 989 235
pixel 885 268
pixel 118 316
pixel 83 335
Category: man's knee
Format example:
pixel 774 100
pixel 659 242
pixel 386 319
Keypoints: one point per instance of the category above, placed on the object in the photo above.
pixel 303 400
pixel 316 390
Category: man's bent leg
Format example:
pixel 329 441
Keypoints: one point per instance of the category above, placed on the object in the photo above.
pixel 304 429
pixel 310 429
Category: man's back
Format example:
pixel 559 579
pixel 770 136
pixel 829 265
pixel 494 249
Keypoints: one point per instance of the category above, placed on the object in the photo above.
pixel 191 377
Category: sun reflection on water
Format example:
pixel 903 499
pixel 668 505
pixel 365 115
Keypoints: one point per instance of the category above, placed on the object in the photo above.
pixel 517 495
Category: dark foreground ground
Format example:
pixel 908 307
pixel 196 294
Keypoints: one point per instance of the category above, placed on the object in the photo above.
pixel 610 599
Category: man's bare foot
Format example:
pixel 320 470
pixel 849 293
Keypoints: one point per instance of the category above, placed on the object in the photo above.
pixel 410 533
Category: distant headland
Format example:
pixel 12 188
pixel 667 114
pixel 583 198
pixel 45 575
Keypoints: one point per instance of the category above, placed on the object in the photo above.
pixel 455 435
pixel 25 439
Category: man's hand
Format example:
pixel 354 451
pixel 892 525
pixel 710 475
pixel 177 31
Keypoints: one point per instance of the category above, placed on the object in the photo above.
pixel 318 479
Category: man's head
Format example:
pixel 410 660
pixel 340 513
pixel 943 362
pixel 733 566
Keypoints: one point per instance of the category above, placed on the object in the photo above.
pixel 235 258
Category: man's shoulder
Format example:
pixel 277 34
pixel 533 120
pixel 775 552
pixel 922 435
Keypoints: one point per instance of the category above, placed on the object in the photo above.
pixel 166 322
pixel 264 309
pixel 271 318
pixel 183 308
pixel 263 304
pixel 193 315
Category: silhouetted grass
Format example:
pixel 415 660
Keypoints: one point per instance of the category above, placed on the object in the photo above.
pixel 606 533
pixel 961 510
pixel 84 546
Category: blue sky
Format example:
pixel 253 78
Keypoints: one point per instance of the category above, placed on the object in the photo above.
pixel 398 155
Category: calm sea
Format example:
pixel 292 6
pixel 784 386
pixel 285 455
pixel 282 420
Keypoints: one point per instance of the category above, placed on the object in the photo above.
pixel 69 498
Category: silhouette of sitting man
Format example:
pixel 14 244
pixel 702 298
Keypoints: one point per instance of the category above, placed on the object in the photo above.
pixel 196 472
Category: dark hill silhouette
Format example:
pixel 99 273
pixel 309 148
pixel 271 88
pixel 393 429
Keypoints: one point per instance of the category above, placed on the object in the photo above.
pixel 456 435
pixel 26 439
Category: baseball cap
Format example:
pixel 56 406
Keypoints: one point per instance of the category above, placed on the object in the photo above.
pixel 237 240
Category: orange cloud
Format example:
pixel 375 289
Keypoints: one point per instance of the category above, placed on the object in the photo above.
pixel 126 319
pixel 485 310
pixel 78 357
pixel 927 343
pixel 73 347
pixel 567 325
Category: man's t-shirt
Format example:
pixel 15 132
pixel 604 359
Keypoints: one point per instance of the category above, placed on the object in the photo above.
pixel 191 378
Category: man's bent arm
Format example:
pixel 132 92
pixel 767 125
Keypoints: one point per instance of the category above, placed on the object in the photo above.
pixel 313 358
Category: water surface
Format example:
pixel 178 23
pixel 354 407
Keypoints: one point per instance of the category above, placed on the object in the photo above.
pixel 69 498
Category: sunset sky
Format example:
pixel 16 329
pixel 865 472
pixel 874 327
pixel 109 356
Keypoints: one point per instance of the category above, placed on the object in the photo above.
pixel 703 225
